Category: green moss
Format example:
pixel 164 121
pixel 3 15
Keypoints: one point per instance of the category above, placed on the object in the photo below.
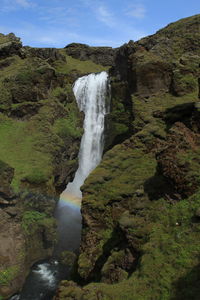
pixel 68 258
pixel 68 127
pixel 58 91
pixel 84 265
pixel 33 220
pixel 7 275
pixel 37 176
pixel 184 84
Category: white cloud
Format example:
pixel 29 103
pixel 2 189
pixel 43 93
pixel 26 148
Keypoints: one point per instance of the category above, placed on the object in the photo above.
pixel 24 3
pixel 137 11
pixel 45 37
pixel 12 5
pixel 105 16
pixel 59 15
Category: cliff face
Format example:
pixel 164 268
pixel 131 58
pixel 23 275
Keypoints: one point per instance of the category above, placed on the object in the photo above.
pixel 40 131
pixel 104 56
pixel 141 204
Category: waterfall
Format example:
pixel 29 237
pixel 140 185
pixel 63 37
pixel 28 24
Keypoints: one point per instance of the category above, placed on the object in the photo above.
pixel 90 92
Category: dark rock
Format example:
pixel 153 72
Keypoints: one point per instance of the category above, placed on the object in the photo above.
pixel 197 213
pixel 6 176
pixel 182 140
pixel 50 54
pixel 99 55
pixel 9 45
pixel 153 78
pixel 31 85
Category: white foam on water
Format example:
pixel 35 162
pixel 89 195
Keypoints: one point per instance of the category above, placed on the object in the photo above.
pixel 46 274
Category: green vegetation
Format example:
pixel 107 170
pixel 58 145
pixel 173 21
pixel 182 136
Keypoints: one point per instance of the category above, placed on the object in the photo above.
pixel 32 220
pixel 145 112
pixel 181 35
pixel 20 149
pixel 7 275
pixel 170 254
pixel 70 126
pixel 4 38
pixel 72 64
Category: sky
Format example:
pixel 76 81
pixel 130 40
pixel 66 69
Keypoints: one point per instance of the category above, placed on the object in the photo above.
pixel 56 23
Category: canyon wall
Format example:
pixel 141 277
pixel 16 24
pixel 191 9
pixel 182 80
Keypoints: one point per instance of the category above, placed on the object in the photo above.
pixel 141 204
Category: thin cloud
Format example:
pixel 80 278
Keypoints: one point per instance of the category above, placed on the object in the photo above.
pixel 12 5
pixel 137 11
pixel 59 15
pixel 105 16
pixel 48 37
pixel 24 3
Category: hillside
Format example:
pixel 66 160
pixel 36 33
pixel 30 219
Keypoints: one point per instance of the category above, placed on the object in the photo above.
pixel 140 237
pixel 141 205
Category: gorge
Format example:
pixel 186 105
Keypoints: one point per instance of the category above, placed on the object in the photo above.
pixel 91 93
pixel 140 203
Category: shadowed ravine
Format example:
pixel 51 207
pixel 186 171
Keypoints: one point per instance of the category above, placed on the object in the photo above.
pixel 90 92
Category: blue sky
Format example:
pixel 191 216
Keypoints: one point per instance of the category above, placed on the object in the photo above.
pixel 56 23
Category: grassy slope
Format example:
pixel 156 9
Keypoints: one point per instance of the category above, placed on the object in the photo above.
pixel 26 145
pixel 83 67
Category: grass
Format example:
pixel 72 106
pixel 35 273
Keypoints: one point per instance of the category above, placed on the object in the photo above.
pixel 18 142
pixel 69 126
pixel 82 67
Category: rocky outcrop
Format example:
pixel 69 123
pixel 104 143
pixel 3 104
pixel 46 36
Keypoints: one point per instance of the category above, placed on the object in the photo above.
pixel 174 165
pixel 49 54
pixel 6 176
pixel 9 45
pixel 100 55
pixel 18 249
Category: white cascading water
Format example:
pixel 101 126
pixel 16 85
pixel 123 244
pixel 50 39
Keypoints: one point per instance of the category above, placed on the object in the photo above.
pixel 90 92
pixel 45 274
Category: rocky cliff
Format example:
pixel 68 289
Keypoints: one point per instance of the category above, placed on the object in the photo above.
pixel 40 131
pixel 104 56
pixel 141 220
